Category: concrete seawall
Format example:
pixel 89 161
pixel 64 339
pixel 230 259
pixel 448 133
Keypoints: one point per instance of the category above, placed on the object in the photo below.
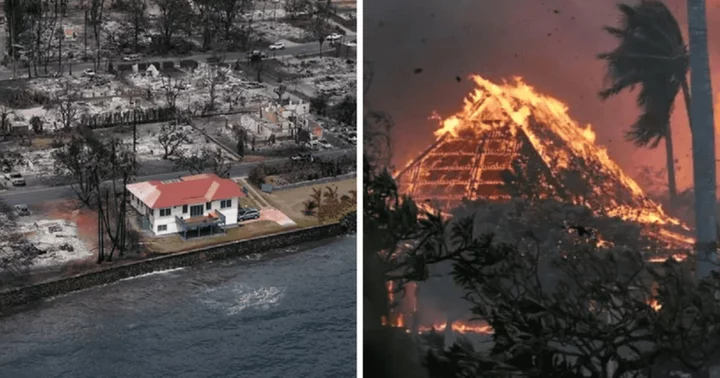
pixel 24 295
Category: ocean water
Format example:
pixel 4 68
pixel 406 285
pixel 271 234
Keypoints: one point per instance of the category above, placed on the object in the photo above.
pixel 289 315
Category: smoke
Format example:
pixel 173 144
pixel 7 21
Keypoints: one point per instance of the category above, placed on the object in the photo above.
pixel 551 43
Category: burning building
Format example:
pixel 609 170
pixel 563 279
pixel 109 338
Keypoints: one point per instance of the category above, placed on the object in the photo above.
pixel 509 132
pixel 509 140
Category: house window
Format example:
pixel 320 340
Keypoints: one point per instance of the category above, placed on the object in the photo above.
pixel 224 204
pixel 184 209
pixel 162 227
pixel 208 205
pixel 165 212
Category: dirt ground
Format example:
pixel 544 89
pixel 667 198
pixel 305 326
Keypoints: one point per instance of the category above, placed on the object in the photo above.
pixel 175 243
pixel 292 202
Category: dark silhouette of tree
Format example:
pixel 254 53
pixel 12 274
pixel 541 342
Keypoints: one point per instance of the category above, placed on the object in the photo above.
pixel 171 138
pixel 258 64
pixel 78 162
pixel 257 175
pixel 560 305
pixel 175 16
pixel 346 111
pixel 319 104
pixel 303 136
pixel 241 145
pixel 653 56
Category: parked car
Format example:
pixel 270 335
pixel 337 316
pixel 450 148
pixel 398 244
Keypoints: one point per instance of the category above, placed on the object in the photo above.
pixel 22 210
pixel 277 46
pixel 303 157
pixel 256 53
pixel 15 178
pixel 131 58
pixel 247 214
pixel 333 37
pixel 89 72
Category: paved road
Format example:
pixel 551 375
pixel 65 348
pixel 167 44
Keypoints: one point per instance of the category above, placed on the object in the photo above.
pixel 37 195
pixel 77 68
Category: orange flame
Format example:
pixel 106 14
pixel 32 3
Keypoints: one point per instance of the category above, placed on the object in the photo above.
pixel 539 116
pixel 459 327
pixel 654 304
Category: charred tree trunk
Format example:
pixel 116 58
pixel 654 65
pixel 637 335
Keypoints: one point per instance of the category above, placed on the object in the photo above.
pixel 85 34
pixel 670 165
pixel 101 256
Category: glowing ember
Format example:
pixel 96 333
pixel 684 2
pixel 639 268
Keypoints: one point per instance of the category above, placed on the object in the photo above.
pixel 459 327
pixel 654 304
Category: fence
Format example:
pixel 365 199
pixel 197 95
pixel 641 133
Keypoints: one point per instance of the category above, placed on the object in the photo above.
pixel 139 116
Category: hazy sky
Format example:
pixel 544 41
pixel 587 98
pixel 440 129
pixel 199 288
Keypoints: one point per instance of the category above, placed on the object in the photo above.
pixel 551 43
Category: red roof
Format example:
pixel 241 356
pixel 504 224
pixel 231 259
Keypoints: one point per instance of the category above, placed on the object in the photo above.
pixel 188 190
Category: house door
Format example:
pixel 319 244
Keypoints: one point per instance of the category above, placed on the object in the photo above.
pixel 196 210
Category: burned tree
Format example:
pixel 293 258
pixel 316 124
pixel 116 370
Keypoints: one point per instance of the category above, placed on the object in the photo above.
pixel 79 161
pixel 195 162
pixel 174 16
pixel 320 30
pixel 218 162
pixel 203 160
pixel 241 135
pixel 112 199
pixel 136 10
pixel 172 137
pixel 99 173
pixel 171 92
pixel 280 90
pixel 302 136
pixel 5 112
pixel 96 21
pixel 257 62
pixel 229 10
pixel 216 76
pixel 66 107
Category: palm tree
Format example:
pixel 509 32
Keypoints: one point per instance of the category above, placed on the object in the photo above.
pixel 652 55
pixel 703 139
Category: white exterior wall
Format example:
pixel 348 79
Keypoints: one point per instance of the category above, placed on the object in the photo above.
pixel 169 220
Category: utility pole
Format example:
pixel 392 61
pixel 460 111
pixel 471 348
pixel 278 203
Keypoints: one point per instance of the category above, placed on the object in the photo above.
pixel 12 36
pixel 86 30
pixel 703 140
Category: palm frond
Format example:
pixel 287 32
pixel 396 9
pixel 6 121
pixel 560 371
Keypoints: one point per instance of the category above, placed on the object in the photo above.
pixel 651 55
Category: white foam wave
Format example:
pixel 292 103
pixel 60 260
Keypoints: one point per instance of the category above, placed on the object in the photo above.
pixel 152 274
pixel 244 298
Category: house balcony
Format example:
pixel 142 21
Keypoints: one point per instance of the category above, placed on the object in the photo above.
pixel 212 221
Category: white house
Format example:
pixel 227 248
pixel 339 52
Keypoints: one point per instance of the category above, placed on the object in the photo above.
pixel 187 203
